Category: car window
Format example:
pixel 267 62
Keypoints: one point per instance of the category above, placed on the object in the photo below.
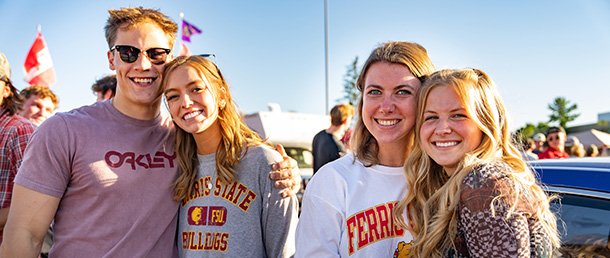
pixel 584 225
pixel 303 156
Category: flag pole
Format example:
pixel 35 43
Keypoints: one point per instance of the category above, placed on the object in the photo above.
pixel 181 24
pixel 39 28
pixel 326 52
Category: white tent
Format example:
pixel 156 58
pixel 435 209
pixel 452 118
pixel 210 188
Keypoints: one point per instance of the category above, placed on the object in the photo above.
pixel 592 136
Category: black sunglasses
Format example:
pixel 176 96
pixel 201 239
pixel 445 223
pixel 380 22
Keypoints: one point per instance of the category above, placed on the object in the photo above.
pixel 130 54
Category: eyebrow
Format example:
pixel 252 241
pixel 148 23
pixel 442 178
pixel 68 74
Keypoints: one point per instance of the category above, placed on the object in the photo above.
pixel 395 88
pixel 455 110
pixel 174 89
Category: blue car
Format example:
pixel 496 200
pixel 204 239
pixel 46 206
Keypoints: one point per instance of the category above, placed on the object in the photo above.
pixel 583 209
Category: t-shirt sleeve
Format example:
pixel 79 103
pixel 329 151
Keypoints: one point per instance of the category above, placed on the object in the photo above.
pixel 321 221
pixel 279 215
pixel 487 234
pixel 46 163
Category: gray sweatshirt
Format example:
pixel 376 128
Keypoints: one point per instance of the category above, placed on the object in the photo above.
pixel 248 218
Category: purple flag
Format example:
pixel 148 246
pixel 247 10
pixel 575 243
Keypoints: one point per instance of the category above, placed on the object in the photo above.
pixel 188 30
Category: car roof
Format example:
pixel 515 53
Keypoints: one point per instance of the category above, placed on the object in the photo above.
pixel 591 173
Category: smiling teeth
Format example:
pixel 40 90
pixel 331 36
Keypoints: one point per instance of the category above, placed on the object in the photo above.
pixel 191 115
pixel 446 144
pixel 139 80
pixel 387 122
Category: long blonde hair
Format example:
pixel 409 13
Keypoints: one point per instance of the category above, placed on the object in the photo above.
pixel 414 57
pixel 433 196
pixel 236 136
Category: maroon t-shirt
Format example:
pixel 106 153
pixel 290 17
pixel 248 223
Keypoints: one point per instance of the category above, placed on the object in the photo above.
pixel 114 176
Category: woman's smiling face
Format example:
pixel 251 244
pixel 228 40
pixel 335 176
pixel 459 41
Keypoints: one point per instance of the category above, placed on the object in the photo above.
pixel 448 132
pixel 389 102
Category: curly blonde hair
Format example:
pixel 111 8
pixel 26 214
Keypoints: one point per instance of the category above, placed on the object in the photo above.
pixel 433 196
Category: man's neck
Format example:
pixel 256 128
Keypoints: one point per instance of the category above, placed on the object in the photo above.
pixel 142 112
pixel 336 130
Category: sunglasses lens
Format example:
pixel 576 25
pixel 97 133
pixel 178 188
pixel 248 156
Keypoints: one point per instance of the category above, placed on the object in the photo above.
pixel 128 54
pixel 157 55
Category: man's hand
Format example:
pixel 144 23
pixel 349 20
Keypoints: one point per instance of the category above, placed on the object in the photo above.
pixel 287 174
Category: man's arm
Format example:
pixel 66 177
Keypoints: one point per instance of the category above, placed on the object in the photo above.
pixel 29 219
pixel 287 173
pixel 3 217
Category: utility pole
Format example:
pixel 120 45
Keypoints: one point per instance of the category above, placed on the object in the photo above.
pixel 326 51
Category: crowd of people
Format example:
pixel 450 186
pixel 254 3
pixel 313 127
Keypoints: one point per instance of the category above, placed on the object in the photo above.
pixel 429 170
pixel 556 144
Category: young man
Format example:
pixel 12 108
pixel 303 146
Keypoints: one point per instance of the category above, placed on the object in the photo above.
pixel 107 180
pixel 326 145
pixel 556 138
pixel 15 132
pixel 105 88
pixel 39 103
pixel 540 139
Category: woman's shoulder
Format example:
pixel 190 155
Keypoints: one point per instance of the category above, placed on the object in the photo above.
pixel 262 152
pixel 488 173
pixel 341 166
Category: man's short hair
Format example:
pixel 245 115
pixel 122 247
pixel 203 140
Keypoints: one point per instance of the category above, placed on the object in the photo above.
pixel 40 91
pixel 127 18
pixel 555 129
pixel 105 84
pixel 340 113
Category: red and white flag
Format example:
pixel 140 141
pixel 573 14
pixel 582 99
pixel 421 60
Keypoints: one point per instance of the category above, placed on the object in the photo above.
pixel 184 51
pixel 38 66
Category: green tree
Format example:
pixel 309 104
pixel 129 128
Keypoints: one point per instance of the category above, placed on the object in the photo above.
pixel 350 90
pixel 530 129
pixel 562 111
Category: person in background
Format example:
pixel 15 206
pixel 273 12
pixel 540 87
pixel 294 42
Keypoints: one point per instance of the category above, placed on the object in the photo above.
pixel 527 146
pixel 592 150
pixel 105 88
pixel 15 132
pixel 540 140
pixel 574 148
pixel 556 138
pixel 347 206
pixel 346 138
pixel 327 145
pixel 470 192
pixel 605 152
pixel 39 103
pixel 107 183
pixel 216 151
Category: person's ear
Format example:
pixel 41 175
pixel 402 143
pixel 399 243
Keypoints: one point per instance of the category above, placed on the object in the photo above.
pixel 111 60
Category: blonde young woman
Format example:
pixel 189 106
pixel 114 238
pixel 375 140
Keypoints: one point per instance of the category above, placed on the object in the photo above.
pixel 470 192
pixel 347 206
pixel 229 205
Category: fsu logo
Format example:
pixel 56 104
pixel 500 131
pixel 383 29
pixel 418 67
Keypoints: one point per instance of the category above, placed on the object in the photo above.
pixel 204 215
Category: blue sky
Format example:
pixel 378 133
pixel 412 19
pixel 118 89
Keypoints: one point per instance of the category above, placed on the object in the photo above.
pixel 273 51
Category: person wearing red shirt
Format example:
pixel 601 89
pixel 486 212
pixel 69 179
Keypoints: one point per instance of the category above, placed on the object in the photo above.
pixel 556 138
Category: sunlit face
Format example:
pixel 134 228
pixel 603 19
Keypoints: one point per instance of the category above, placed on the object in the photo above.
pixel 5 91
pixel 37 109
pixel 191 102
pixel 138 82
pixel 447 133
pixel 556 140
pixel 389 102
